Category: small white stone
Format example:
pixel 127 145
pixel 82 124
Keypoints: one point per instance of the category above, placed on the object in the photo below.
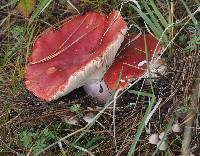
pixel 176 128
pixel 71 121
pixel 162 145
pixel 162 135
pixel 88 117
pixel 153 139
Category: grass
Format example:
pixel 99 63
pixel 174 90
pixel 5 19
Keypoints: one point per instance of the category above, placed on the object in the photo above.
pixel 142 125
pixel 24 118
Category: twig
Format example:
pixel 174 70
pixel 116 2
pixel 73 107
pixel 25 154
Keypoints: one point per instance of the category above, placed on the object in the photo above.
pixel 189 122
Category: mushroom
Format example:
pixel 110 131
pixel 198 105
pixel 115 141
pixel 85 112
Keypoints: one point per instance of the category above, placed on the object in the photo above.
pixel 129 65
pixel 176 127
pixel 153 139
pixel 88 117
pixel 78 52
pixel 71 121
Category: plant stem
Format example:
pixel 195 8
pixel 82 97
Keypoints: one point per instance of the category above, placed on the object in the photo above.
pixel 189 121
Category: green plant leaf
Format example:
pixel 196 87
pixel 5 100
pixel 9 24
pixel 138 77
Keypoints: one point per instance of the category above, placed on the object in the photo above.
pixel 18 32
pixel 141 126
pixel 26 7
pixel 42 140
pixel 39 145
pixel 158 13
pixel 90 143
pixel 194 20
pixel 75 108
pixel 26 139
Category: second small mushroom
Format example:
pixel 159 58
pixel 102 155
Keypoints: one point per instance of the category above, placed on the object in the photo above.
pixel 129 65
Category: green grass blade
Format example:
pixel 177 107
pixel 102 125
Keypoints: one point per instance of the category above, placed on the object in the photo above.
pixel 149 108
pixel 31 30
pixel 40 8
pixel 148 21
pixel 166 131
pixel 148 65
pixel 162 20
pixel 158 14
pixel 89 125
pixel 198 2
pixel 141 127
pixel 141 93
pixel 154 20
pixel 197 26
pixel 152 23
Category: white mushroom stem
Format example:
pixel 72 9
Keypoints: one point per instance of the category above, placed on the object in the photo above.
pixel 153 139
pixel 98 90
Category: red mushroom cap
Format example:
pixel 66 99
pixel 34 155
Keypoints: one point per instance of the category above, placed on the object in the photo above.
pixel 131 62
pixel 66 58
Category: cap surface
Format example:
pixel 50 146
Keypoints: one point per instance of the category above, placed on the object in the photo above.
pixel 66 58
pixel 131 63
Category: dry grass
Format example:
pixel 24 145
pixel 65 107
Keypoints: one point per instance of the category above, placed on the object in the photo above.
pixel 21 111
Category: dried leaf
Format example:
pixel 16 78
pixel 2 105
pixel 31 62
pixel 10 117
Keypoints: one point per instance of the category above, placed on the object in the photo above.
pixel 25 7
